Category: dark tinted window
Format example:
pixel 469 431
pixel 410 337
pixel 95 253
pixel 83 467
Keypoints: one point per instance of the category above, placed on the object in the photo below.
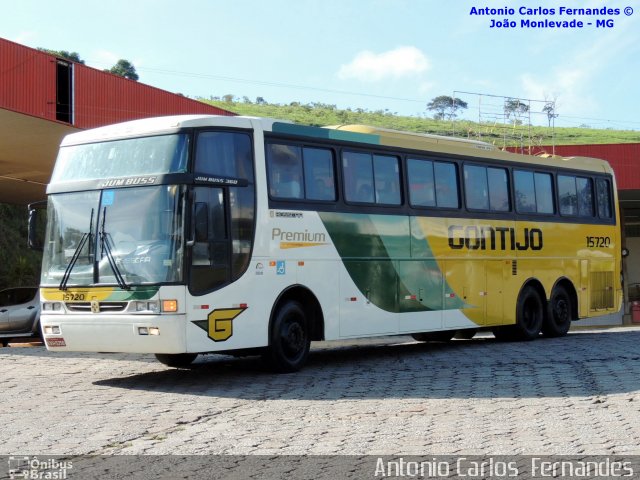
pixel 585 196
pixel 486 188
pixel 224 154
pixel 525 191
pixel 475 187
pixel 318 174
pixel 576 195
pixel 603 190
pixel 371 178
pixel 285 171
pixel 544 193
pixel 446 185
pixel 534 192
pixel 432 184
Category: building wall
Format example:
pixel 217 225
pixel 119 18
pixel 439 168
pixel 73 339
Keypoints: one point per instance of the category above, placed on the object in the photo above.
pixel 27 80
pixel 623 157
pixel 28 85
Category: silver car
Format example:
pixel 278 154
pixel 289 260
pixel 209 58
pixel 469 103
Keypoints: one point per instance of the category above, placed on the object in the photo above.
pixel 19 313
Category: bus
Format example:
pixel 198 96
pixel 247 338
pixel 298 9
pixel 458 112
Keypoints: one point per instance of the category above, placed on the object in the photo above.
pixel 188 235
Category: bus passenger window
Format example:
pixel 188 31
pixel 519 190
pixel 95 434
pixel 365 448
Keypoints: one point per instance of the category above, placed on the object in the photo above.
pixel 285 171
pixel 318 174
pixel 421 190
pixel 498 182
pixel 604 198
pixel 387 179
pixel 446 185
pixel 544 193
pixel 358 177
pixel 585 197
pixel 475 187
pixel 567 195
pixel 525 191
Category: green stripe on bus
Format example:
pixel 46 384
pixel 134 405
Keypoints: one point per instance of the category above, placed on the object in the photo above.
pixel 394 269
pixel 325 133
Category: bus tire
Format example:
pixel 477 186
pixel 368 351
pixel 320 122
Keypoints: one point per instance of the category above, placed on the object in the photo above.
pixel 559 314
pixel 176 360
pixel 290 340
pixel 529 314
pixel 443 336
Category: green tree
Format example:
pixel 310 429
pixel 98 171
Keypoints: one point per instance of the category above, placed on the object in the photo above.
pixel 446 107
pixel 124 68
pixel 550 109
pixel 513 107
pixel 73 56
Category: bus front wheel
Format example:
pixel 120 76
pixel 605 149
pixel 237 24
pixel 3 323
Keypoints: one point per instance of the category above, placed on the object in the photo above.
pixel 176 360
pixel 290 340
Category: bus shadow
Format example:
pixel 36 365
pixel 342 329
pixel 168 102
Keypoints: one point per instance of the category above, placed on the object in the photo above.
pixel 581 364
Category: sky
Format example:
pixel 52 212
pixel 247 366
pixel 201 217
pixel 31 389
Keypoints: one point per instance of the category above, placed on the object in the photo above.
pixel 390 55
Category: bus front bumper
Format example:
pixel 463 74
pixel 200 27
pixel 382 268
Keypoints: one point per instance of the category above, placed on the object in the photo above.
pixel 114 333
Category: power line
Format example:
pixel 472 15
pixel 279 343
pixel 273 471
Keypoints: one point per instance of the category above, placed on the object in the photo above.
pixel 179 73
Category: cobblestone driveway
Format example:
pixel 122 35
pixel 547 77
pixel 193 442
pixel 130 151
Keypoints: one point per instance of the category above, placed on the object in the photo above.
pixel 392 396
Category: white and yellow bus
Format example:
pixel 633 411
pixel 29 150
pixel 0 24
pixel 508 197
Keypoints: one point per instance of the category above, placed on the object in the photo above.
pixel 202 234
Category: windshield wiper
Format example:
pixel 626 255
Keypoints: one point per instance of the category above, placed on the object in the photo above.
pixel 76 254
pixel 106 248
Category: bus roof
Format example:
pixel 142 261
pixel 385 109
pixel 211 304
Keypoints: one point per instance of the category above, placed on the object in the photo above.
pixel 347 133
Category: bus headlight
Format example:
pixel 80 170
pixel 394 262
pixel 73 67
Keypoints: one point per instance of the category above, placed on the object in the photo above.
pixel 51 306
pixel 149 307
pixel 51 330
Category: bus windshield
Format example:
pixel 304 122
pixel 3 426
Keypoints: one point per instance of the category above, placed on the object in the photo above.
pixel 122 158
pixel 127 236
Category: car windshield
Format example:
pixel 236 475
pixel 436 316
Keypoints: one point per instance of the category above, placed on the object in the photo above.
pixel 126 236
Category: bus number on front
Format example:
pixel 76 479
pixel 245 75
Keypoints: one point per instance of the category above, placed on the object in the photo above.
pixel 598 242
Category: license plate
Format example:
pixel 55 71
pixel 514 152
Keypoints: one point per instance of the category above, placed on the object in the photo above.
pixel 56 342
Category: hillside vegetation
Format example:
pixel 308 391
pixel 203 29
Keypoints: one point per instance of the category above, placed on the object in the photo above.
pixel 320 114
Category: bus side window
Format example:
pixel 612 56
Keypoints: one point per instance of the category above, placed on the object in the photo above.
pixel 446 177
pixel 318 174
pixel 358 175
pixel 603 198
pixel 285 171
pixel 585 196
pixel 387 179
pixel 421 186
pixel 525 191
pixel 568 195
pixel 475 187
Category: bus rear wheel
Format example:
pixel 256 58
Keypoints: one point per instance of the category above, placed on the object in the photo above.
pixel 290 340
pixel 176 360
pixel 529 318
pixel 529 314
pixel 559 314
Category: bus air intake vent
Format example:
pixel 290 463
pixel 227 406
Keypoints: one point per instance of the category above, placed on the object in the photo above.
pixel 602 291
pixel 85 307
pixel 514 267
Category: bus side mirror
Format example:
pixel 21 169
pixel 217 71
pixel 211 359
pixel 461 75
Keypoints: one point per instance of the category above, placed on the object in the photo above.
pixel 35 238
pixel 201 215
pixel 625 252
